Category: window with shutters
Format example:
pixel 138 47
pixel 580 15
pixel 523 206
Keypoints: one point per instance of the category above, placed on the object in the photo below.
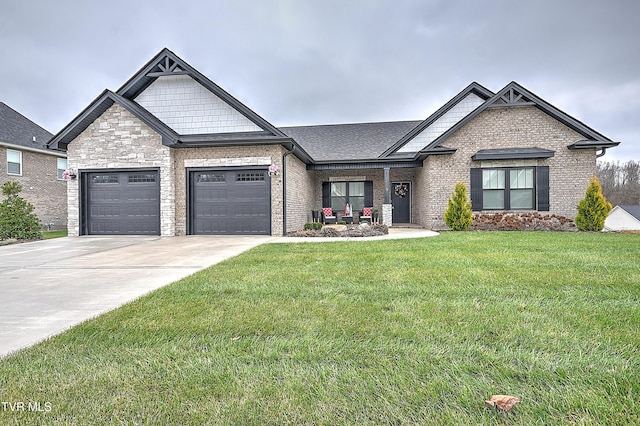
pixel 347 192
pixel 510 188
pixel 358 194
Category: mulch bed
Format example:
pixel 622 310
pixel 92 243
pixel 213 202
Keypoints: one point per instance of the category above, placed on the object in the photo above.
pixel 348 231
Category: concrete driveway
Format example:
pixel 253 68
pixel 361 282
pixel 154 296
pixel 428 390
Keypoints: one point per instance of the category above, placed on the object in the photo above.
pixel 49 286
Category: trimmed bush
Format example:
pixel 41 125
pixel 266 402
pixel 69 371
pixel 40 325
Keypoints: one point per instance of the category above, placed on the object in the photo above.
pixel 17 219
pixel 458 215
pixel 593 209
pixel 314 226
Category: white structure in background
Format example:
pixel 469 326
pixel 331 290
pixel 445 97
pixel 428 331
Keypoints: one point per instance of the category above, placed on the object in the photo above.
pixel 623 218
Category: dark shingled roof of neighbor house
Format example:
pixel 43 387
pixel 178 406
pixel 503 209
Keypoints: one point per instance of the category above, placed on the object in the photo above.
pixel 349 142
pixel 17 129
pixel 632 210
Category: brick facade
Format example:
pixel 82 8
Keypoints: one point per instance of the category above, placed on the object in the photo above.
pixel 514 127
pixel 120 140
pixel 40 186
pixel 202 126
pixel 247 156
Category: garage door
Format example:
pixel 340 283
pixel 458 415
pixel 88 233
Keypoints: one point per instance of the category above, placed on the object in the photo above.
pixel 230 202
pixel 123 203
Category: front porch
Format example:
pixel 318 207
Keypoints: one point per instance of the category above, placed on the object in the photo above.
pixel 388 192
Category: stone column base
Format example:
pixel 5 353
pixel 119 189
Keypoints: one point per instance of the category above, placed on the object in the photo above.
pixel 387 214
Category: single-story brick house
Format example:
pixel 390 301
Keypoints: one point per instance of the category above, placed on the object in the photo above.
pixel 24 158
pixel 172 153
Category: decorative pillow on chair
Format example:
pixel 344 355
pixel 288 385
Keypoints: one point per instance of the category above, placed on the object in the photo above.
pixel 328 212
pixel 366 211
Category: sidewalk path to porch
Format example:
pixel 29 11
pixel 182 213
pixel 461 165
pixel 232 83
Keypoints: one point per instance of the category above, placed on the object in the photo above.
pixel 394 234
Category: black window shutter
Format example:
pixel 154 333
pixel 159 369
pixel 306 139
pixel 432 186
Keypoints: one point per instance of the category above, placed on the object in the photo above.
pixel 326 194
pixel 476 189
pixel 368 193
pixel 542 187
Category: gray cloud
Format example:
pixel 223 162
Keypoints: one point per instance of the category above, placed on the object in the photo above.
pixel 308 62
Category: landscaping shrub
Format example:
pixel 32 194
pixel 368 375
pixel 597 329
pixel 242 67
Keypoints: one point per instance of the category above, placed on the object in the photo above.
pixel 313 226
pixel 17 219
pixel 458 215
pixel 593 209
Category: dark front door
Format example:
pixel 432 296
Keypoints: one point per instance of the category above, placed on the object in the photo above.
pixel 122 203
pixel 230 202
pixel 401 201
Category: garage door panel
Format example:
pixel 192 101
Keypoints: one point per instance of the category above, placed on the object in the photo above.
pixel 123 203
pixel 230 202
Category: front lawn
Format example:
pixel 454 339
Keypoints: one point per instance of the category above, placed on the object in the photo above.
pixel 47 235
pixel 380 332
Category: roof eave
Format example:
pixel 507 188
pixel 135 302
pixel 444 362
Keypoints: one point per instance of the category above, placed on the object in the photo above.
pixel 587 144
pixel 95 109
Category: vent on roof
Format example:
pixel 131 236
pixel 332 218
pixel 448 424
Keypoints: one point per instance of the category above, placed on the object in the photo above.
pixel 34 138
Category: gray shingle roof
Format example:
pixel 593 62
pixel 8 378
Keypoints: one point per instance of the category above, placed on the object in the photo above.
pixel 632 210
pixel 349 142
pixel 17 129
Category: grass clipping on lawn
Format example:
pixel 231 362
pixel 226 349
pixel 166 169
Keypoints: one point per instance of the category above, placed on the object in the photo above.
pixel 389 332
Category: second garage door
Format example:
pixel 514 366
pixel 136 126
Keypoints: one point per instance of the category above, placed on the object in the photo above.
pixel 230 202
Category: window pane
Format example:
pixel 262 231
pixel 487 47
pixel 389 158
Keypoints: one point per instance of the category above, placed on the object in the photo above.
pixel 521 178
pixel 357 203
pixel 339 189
pixel 521 198
pixel 356 189
pixel 13 156
pixel 62 166
pixel 337 203
pixel 492 179
pixel 250 177
pixel 13 168
pixel 492 199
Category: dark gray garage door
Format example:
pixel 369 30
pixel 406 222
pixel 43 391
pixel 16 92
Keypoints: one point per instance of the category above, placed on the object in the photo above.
pixel 123 203
pixel 230 202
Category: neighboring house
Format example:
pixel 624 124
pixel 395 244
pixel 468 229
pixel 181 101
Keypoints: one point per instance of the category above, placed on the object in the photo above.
pixel 172 153
pixel 623 218
pixel 24 158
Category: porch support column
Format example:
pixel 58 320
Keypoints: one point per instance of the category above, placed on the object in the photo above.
pixel 387 207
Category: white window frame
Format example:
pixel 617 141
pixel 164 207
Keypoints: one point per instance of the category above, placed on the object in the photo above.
pixel 60 171
pixel 13 151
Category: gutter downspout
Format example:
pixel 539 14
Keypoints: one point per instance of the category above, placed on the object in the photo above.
pixel 284 189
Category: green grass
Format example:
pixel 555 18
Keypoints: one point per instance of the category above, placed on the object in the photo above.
pixel 47 235
pixel 381 332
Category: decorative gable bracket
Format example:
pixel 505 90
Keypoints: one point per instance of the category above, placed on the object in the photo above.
pixel 511 97
pixel 166 67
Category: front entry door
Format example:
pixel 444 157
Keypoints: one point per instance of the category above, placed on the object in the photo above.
pixel 401 201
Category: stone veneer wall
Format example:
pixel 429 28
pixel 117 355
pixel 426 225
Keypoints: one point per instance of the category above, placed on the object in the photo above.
pixel 512 127
pixel 40 186
pixel 227 157
pixel 117 139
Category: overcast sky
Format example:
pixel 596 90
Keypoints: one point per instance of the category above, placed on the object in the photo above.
pixel 298 62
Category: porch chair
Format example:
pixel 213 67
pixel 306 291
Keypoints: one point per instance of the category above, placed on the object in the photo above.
pixel 328 216
pixel 366 214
